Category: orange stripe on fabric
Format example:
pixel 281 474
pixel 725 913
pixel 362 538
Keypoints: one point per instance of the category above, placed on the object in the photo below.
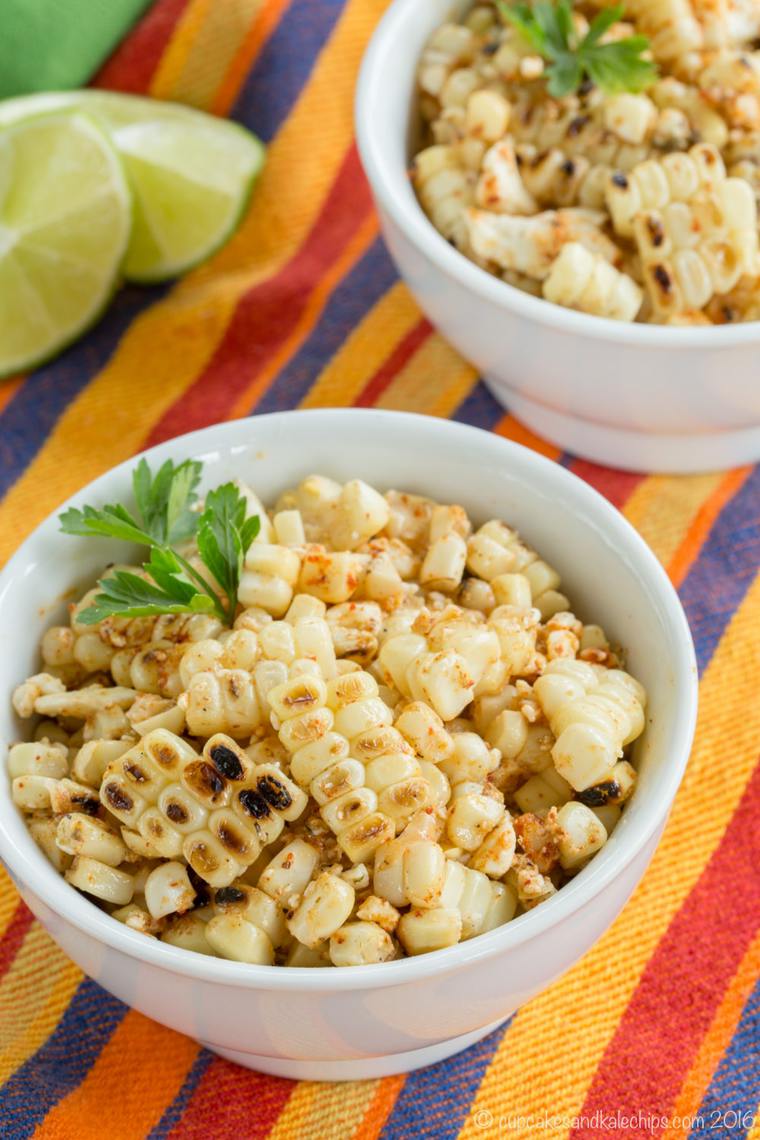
pixel 379 1109
pixel 8 390
pixel 268 16
pixel 512 429
pixel 318 298
pixel 206 46
pixel 111 1101
pixel 179 334
pixel 571 1014
pixel 715 1042
pixel 687 552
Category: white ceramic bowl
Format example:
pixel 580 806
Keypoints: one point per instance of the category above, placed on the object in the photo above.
pixel 373 1020
pixel 636 396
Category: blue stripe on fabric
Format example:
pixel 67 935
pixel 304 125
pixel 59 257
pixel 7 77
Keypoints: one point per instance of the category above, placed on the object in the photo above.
pixel 731 1101
pixel 434 1102
pixel 31 414
pixel 349 303
pixel 62 1063
pixel 176 1109
pixel 724 570
pixel 284 65
pixel 479 408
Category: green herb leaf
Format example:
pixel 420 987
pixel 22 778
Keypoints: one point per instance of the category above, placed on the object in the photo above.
pixel 172 585
pixel 224 535
pixel 113 521
pixel 547 27
pixel 164 501
pixel 127 595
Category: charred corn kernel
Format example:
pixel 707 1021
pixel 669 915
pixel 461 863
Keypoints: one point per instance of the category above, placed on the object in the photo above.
pixel 631 117
pixel 135 918
pixel 256 907
pixel 188 932
pixel 79 834
pixel 494 855
pixel 223 700
pixel 325 906
pixel 98 879
pixel 472 814
pixel 421 931
pixel 32 793
pixel 582 280
pixel 516 630
pixel 232 936
pixel 413 862
pixel 445 188
pixel 44 833
pixel 581 834
pixel 423 728
pixel 380 912
pixel 287 875
pixel 500 187
pixel 360 944
pixel 331 576
pixel 26 695
pixel 270 573
pixel 616 790
pixel 38 760
pixel 487 115
pixel 530 245
pixel 288 528
pixel 168 890
pixel 544 790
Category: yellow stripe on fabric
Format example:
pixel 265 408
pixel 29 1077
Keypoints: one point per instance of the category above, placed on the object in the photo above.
pixel 9 900
pixel 435 380
pixel 663 507
pixel 178 335
pixel 559 1037
pixel 364 350
pixel 716 1041
pixel 199 54
pixel 324 1111
pixel 34 996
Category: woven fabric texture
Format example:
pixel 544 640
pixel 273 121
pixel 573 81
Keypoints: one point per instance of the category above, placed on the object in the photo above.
pixel 660 1022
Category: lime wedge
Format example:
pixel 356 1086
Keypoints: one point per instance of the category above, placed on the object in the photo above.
pixel 190 174
pixel 65 220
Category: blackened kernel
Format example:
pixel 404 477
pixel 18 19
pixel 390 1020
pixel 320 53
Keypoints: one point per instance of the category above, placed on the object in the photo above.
pixel 619 179
pixel 600 794
pixel 226 895
pixel 227 761
pixel 662 277
pixel 274 792
pixel 254 804
pixel 176 813
pixel 577 124
pixel 118 799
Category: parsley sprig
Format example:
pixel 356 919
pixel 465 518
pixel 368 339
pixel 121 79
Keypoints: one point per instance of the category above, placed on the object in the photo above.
pixel 549 29
pixel 166 519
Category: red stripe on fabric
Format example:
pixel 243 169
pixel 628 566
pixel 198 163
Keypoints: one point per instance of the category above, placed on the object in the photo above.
pixel 230 1103
pixel 404 351
pixel 646 1062
pixel 267 314
pixel 617 486
pixel 15 934
pixel 133 64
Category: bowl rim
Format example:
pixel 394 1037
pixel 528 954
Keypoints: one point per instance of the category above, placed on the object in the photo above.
pixel 392 195
pixel 28 865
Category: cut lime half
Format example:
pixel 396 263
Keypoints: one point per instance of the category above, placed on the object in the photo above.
pixel 65 221
pixel 190 174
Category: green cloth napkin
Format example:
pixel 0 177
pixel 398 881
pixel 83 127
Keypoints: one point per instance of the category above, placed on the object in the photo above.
pixel 46 45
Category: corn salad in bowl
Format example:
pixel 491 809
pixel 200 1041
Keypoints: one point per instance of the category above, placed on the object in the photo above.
pixel 604 159
pixel 350 729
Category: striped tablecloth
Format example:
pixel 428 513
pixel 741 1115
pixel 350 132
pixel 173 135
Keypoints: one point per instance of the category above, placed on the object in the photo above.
pixel 657 1031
